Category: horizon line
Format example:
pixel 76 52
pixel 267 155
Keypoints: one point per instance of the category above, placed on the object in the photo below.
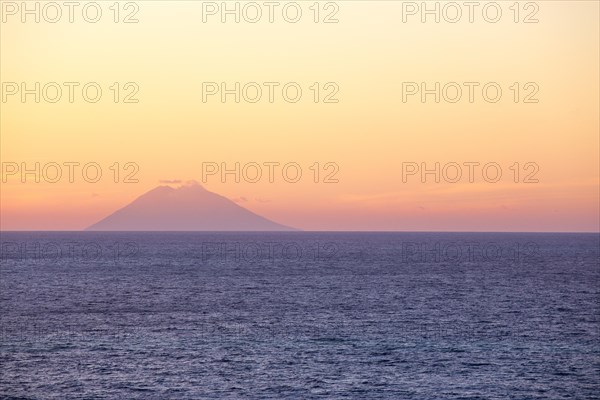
pixel 290 231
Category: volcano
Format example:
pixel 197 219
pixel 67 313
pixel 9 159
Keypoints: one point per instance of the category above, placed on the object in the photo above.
pixel 187 208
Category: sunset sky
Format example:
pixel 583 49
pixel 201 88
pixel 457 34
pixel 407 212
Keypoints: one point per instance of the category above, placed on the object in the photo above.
pixel 369 133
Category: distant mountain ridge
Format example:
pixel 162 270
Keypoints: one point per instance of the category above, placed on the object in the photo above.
pixel 187 208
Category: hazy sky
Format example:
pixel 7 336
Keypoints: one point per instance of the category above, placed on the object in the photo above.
pixel 369 135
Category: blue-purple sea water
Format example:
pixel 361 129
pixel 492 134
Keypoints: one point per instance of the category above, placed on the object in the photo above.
pixel 299 316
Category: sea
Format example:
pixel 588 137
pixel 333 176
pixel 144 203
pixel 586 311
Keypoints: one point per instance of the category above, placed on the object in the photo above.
pixel 299 315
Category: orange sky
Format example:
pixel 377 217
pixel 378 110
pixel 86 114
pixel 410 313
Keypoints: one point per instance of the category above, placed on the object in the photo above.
pixel 369 133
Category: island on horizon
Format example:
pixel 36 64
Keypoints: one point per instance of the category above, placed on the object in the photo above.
pixel 187 208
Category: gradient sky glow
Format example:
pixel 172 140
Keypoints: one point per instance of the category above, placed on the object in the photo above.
pixel 368 134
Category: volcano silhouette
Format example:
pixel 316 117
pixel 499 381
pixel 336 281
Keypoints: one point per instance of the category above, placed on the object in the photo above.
pixel 187 208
